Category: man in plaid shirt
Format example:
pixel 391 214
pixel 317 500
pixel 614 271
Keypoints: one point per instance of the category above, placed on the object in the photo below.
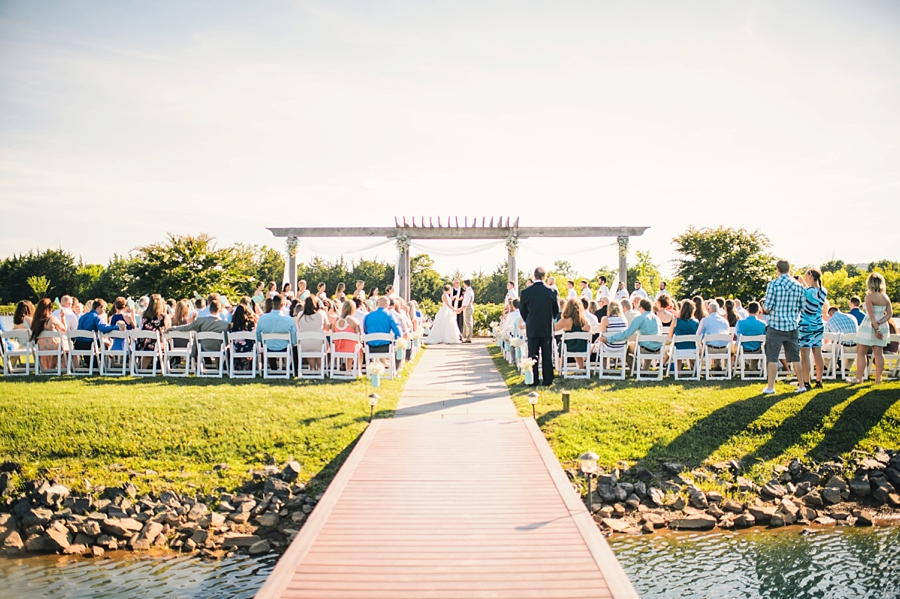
pixel 783 302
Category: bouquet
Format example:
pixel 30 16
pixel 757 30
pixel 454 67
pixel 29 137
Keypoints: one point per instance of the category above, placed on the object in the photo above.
pixel 526 364
pixel 517 342
pixel 401 344
pixel 375 368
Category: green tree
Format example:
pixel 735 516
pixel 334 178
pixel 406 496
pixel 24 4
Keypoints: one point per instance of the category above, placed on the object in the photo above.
pixel 425 282
pixel 39 286
pixel 836 265
pixel 258 263
pixel 116 279
pixel 184 265
pixel 645 271
pixel 87 279
pixel 723 262
pixel 57 265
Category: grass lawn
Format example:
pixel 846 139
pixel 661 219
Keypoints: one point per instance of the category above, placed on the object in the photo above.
pixel 697 422
pixel 106 430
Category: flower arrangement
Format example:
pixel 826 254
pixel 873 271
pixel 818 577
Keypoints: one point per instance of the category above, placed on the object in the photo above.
pixel 526 364
pixel 375 368
pixel 517 342
pixel 401 344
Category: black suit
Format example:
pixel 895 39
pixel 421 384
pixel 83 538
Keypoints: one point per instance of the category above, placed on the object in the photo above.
pixel 538 306
pixel 456 298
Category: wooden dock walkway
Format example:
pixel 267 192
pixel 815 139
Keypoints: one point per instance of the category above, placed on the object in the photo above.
pixel 456 497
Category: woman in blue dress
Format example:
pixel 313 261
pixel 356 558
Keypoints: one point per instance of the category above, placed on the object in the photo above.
pixel 812 326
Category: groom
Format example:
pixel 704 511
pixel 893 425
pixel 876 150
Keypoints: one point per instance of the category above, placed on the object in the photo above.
pixel 468 311
pixel 456 298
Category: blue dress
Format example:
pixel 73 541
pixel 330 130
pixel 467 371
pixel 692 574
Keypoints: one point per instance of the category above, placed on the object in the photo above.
pixel 811 325
pixel 685 327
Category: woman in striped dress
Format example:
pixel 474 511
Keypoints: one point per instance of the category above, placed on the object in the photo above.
pixel 812 326
pixel 614 322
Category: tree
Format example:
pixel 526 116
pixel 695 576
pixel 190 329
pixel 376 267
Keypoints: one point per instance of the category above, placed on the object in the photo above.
pixel 723 262
pixel 39 286
pixel 645 271
pixel 425 282
pixel 185 265
pixel 563 268
pixel 58 266
pixel 87 279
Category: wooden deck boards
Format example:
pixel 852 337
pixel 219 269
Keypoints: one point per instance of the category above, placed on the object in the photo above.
pixel 456 497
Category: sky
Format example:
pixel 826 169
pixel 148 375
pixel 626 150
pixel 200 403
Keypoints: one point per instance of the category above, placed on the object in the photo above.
pixel 121 122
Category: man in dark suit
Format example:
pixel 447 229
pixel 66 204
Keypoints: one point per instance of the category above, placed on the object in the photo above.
pixel 538 306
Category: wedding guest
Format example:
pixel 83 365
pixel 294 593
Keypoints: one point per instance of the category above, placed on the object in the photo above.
pixel 379 321
pixel 621 292
pixel 92 320
pixel 663 291
pixel 714 324
pixel 699 308
pixel 874 332
pixel 638 294
pixel 156 320
pixel 361 313
pixel 612 323
pixel 645 323
pixel 855 312
pixel 268 306
pixel 339 294
pixel 664 312
pixel 22 316
pixel 739 308
pixel 320 292
pixel 312 320
pixel 731 314
pixel 751 326
pixel 588 313
pixel 259 295
pixel 539 307
pixel 65 313
pixel 586 292
pixel 782 303
pixel 243 320
pixel 812 326
pixel 628 311
pixel 602 290
pixel 602 307
pixel 573 321
pixel 347 323
pixel 43 320
pixel 360 291
pixel 685 324
pixel 839 322
pixel 275 321
pixel 206 324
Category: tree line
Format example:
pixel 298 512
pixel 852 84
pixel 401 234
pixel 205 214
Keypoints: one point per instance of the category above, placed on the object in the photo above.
pixel 710 262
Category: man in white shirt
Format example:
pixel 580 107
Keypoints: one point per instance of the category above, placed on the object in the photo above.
pixel 628 312
pixel 468 312
pixel 65 314
pixel 586 292
pixel 662 291
pixel 206 313
pixel 621 292
pixel 511 292
pixel 551 283
pixel 588 315
pixel 570 290
pixel 603 290
pixel 741 311
pixel 638 294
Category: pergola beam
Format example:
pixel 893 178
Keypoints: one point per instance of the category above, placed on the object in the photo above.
pixel 458 232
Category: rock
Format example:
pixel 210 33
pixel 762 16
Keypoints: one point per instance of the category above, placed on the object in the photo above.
pixel 784 477
pixel 744 520
pixel 808 477
pixel 839 514
pixel 864 517
pixel 300 516
pixel 640 489
pixel 789 507
pixel 894 499
pixel 745 485
pixel 808 513
pixel 278 487
pixel 633 501
pixel 259 547
pixel 859 486
pixel 882 490
pixel 141 545
pixel 189 545
pixel 268 520
pixel 235 539
pixel 654 520
pixel 216 520
pixel 802 489
pixel 89 527
pixel 38 515
pixel 693 522
pixel 825 521
pixel 715 511
pixel 13 543
pixel 291 471
pixel 647 528
pixel 814 499
pixel 714 497
pixel 777 521
pixel 123 527
pixel 74 549
pixel 774 489
pixel 239 517
pixel 893 475
pixel 669 487
pixel 794 467
pixel 733 506
pixel 619 510
pixel 657 497
pixel 762 514
pixel 616 524
pixel 151 530
pixel 677 504
pixel 35 543
pixel 54 495
pixel 57 537
pixel 831 495
pixel 197 512
pixel 5 483
pixel 97 551
pixel 200 537
pixel 621 494
pixel 698 499
pixel 673 467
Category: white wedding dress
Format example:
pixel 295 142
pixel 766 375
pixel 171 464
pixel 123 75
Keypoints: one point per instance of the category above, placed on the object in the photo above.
pixel 444 329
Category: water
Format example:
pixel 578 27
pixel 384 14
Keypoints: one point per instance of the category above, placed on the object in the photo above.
pixel 834 563
pixel 837 563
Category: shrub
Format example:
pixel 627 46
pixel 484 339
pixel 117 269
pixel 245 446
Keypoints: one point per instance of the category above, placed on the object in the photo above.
pixel 485 314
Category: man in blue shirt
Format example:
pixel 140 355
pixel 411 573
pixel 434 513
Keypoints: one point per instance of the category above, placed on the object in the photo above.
pixel 855 312
pixel 751 326
pixel 645 323
pixel 838 322
pixel 380 321
pixel 783 302
pixel 276 322
pixel 91 321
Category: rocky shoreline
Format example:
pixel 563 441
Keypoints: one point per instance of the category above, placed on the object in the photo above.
pixel 638 501
pixel 44 517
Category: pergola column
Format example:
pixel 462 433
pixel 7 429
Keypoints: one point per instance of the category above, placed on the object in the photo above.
pixel 292 261
pixel 512 272
pixel 623 259
pixel 403 268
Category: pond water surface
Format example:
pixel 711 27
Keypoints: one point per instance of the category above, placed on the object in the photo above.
pixel 835 563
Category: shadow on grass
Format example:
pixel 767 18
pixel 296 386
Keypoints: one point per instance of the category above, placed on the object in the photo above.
pixel 323 478
pixel 855 422
pixel 809 418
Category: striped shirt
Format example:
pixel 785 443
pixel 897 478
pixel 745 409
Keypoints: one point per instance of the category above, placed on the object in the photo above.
pixel 783 301
pixel 841 323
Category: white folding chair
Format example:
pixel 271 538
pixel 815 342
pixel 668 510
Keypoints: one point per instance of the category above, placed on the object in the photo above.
pixel 57 351
pixel 21 353
pixel 892 359
pixel 216 355
pixel 283 359
pixel 745 357
pixel 91 355
pixel 721 353
pixel 830 349
pixel 319 352
pixel 239 354
pixel 349 360
pixel 606 357
pixel 572 370
pixel 847 353
pixel 370 355
pixel 138 355
pixel 177 351
pixel 684 354
pixel 642 354
pixel 114 362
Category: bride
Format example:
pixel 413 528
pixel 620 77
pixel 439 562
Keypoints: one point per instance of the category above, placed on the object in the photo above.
pixel 444 329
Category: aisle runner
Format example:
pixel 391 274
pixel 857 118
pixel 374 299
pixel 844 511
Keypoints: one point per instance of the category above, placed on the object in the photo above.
pixel 455 497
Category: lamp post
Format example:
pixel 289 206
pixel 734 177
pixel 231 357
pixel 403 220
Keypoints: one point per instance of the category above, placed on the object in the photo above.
pixel 373 401
pixel 588 468
pixel 533 399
